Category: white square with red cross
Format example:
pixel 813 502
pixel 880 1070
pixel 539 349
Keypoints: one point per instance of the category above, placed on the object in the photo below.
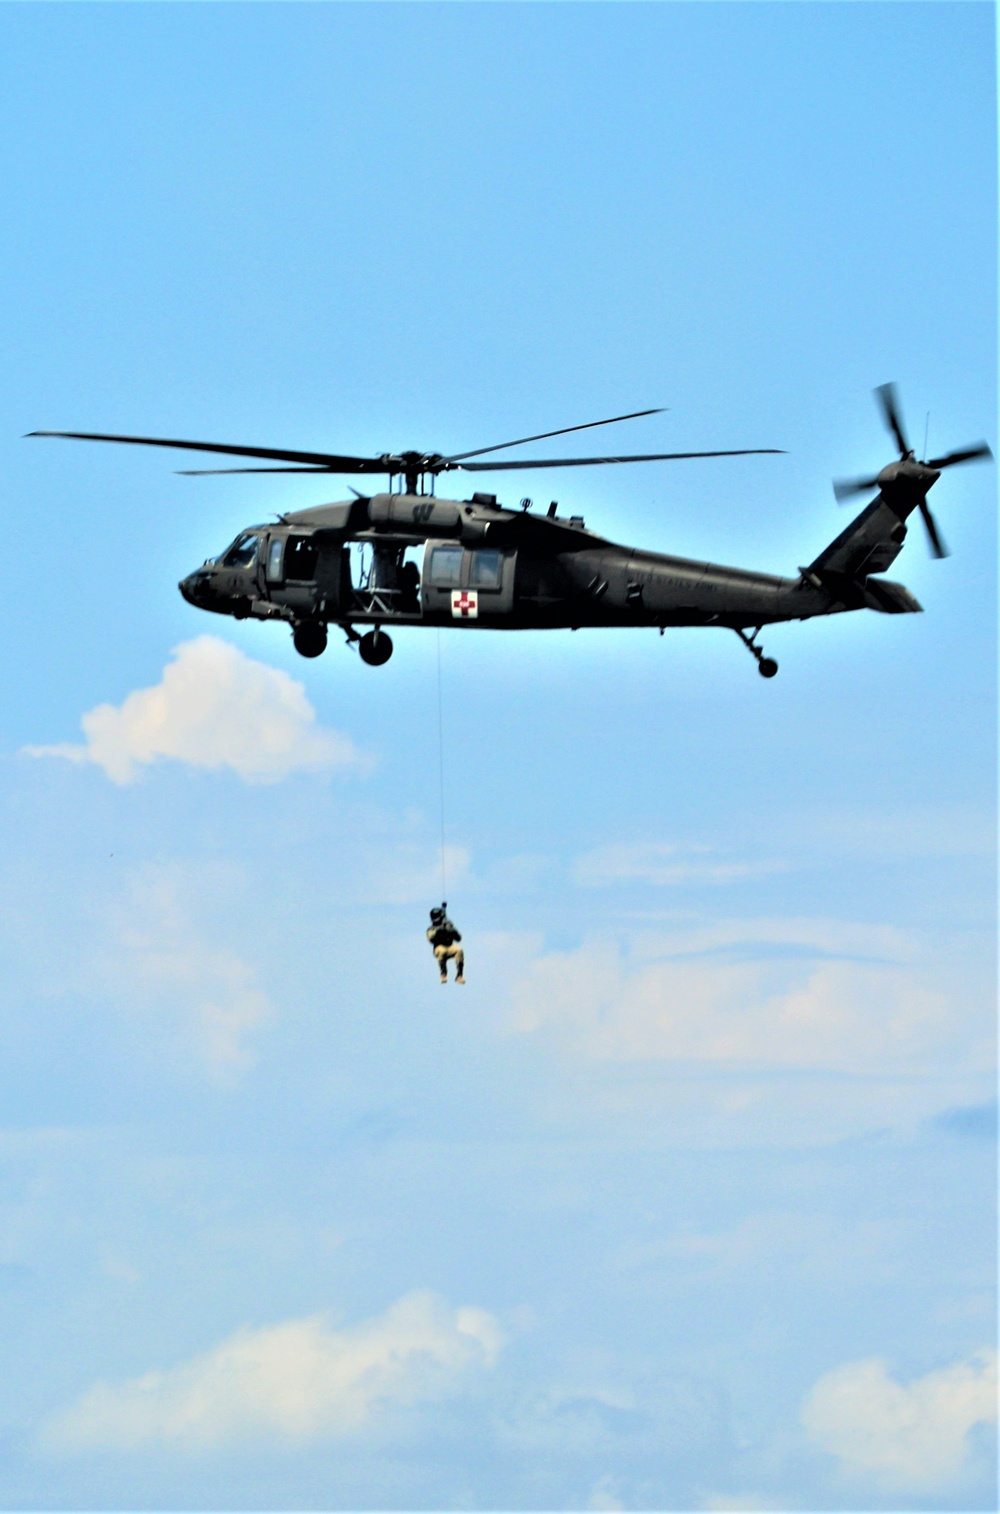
pixel 464 604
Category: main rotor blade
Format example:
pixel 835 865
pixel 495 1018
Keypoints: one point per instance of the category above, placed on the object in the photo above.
pixel 847 488
pixel 586 462
pixel 938 547
pixel 889 401
pixel 966 455
pixel 206 472
pixel 328 461
pixel 544 435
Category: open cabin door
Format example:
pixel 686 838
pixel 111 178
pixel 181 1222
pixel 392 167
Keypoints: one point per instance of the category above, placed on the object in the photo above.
pixel 307 573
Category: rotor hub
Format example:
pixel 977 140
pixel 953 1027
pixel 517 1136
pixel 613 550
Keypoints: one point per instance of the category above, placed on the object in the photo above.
pixel 908 474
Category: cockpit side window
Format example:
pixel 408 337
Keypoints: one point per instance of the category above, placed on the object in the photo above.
pixel 242 552
pixel 485 570
pixel 446 566
pixel 274 556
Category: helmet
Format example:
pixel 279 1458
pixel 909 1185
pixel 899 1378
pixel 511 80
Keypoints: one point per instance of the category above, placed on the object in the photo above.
pixel 437 915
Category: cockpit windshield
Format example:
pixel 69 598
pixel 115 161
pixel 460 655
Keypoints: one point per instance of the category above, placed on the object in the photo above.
pixel 242 552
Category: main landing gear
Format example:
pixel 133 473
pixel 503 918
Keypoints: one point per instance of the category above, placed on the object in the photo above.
pixel 766 666
pixel 375 648
pixel 309 638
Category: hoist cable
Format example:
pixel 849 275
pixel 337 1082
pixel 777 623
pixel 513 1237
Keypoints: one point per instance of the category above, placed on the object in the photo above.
pixel 444 872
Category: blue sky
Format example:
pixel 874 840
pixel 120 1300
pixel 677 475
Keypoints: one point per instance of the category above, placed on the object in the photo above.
pixel 688 1199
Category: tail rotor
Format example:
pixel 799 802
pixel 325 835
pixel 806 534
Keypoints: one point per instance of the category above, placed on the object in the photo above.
pixel 908 480
pixel 887 397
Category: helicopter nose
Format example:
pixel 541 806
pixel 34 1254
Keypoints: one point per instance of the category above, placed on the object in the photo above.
pixel 195 588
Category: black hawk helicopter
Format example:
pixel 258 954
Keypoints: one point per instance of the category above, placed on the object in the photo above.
pixel 487 566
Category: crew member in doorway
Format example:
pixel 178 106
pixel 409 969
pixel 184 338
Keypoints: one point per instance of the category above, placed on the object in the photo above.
pixel 444 939
pixel 409 589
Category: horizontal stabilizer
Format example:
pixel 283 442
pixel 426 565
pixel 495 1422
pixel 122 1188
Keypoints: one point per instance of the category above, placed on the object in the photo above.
pixel 890 598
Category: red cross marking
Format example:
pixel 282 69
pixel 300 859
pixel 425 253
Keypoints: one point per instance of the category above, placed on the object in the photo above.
pixel 464 604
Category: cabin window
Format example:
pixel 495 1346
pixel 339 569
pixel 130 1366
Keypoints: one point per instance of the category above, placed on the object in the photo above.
pixel 446 566
pixel 301 553
pixel 274 552
pixel 485 571
pixel 241 553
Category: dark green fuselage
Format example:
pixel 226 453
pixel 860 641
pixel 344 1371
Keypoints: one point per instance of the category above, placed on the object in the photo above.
pixel 485 567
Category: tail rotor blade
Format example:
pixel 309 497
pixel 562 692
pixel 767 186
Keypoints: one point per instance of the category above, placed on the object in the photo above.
pixel 979 452
pixel 888 400
pixel 847 488
pixel 938 547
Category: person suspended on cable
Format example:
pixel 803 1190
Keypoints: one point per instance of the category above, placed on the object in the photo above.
pixel 444 939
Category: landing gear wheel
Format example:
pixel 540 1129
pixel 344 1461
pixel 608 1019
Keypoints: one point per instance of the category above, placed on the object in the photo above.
pixel 766 666
pixel 309 638
pixel 375 648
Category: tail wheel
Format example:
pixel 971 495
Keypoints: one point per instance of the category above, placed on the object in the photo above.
pixel 375 648
pixel 767 667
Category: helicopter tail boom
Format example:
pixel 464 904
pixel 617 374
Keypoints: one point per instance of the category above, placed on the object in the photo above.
pixel 870 544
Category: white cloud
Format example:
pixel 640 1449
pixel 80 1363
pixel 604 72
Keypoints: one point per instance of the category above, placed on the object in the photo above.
pixel 409 873
pixel 818 1247
pixel 746 1502
pixel 208 994
pixel 576 1421
pixel 907 1438
pixel 604 1495
pixel 660 864
pixel 293 1382
pixel 773 1031
pixel 819 934
pixel 844 1016
pixel 939 830
pixel 214 708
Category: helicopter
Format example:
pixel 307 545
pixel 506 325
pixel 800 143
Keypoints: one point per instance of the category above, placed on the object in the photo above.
pixel 486 566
